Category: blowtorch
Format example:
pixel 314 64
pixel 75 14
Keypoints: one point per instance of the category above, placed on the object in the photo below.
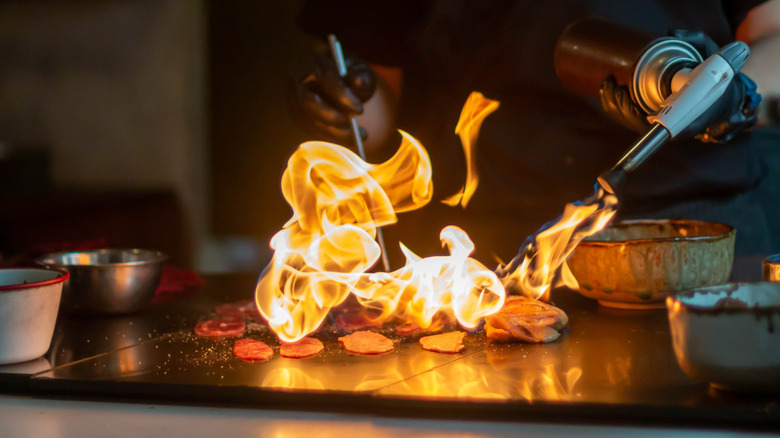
pixel 666 77
pixel 669 81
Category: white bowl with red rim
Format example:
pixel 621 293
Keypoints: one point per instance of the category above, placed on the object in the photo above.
pixel 29 303
pixel 728 335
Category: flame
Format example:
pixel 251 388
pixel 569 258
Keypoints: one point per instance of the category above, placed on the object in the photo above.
pixel 459 380
pixel 289 378
pixel 541 263
pixel 545 384
pixel 476 108
pixel 324 251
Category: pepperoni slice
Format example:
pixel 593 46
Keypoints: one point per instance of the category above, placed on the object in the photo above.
pixel 366 342
pixel 225 327
pixel 407 329
pixel 349 321
pixel 451 342
pixel 251 350
pixel 231 309
pixel 306 347
pixel 238 308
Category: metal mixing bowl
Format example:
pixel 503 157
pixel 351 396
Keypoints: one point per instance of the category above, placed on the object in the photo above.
pixel 108 281
pixel 636 264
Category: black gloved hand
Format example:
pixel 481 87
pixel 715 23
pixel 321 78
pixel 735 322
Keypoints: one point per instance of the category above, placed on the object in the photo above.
pixel 322 103
pixel 617 104
pixel 733 111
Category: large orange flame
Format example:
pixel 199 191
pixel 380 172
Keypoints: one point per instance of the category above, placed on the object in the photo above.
pixel 325 250
pixel 475 110
pixel 541 263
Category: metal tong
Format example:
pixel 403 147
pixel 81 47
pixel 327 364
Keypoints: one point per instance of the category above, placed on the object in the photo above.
pixel 338 58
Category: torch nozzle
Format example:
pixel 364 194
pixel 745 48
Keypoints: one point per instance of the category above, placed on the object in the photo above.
pixel 612 179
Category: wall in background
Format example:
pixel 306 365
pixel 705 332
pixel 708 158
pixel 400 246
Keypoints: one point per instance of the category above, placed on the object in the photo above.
pixel 180 95
pixel 114 91
pixel 253 47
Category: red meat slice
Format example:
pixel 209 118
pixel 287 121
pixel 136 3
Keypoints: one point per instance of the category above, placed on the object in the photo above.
pixel 407 329
pixel 451 342
pixel 366 342
pixel 238 308
pixel 231 309
pixel 306 347
pixel 251 350
pixel 350 321
pixel 225 327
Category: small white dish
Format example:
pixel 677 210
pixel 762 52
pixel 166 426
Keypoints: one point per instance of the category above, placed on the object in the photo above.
pixel 728 335
pixel 29 303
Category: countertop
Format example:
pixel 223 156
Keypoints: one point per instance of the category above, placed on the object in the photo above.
pixel 611 372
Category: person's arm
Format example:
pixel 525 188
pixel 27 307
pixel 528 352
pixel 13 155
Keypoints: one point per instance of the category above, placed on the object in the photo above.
pixel 761 30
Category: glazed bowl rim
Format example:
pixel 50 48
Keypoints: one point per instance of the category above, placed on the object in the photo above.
pixel 674 297
pixel 774 258
pixel 710 237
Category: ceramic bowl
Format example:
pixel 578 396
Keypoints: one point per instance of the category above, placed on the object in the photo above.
pixel 636 264
pixel 770 268
pixel 728 335
pixel 29 303
pixel 108 281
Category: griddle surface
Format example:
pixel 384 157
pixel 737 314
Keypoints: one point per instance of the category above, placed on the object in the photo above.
pixel 609 366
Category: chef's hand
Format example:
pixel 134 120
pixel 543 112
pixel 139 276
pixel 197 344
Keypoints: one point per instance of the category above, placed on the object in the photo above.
pixel 322 103
pixel 734 111
pixel 617 104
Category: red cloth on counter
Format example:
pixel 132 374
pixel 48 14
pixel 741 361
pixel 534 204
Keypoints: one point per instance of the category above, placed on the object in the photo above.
pixel 175 280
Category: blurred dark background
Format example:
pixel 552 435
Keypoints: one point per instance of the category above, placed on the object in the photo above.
pixel 150 123
pixel 146 123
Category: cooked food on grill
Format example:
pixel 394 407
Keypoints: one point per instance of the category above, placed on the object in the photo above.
pixel 224 327
pixel 238 308
pixel 451 342
pixel 366 342
pixel 407 329
pixel 251 350
pixel 306 347
pixel 526 320
pixel 352 320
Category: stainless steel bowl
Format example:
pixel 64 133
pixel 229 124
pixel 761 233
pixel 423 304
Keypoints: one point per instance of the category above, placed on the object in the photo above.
pixel 107 281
